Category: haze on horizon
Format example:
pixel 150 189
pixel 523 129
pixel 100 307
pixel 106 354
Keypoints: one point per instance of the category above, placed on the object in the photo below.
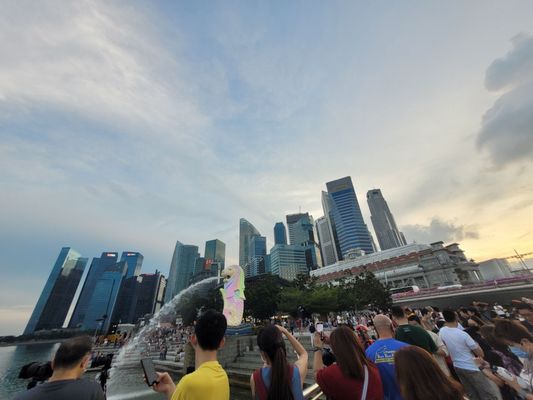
pixel 130 125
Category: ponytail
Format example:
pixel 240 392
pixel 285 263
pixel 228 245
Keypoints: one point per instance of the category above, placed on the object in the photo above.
pixel 280 384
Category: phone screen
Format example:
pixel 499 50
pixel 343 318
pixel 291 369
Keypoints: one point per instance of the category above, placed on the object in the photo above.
pixel 319 328
pixel 149 371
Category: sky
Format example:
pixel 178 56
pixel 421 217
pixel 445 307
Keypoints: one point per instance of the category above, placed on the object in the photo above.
pixel 128 125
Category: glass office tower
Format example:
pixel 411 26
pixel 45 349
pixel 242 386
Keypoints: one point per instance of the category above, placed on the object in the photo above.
pixel 246 231
pixel 389 236
pixel 102 303
pixel 134 260
pixel 280 233
pixel 215 250
pixel 58 292
pixel 96 270
pixel 181 269
pixel 351 230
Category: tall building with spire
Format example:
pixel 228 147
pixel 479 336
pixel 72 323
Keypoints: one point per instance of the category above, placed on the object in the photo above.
pixel 58 292
pixel 349 226
pixel 246 232
pixel 384 224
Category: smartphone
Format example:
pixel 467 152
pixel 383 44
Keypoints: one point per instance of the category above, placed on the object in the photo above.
pixel 149 371
pixel 320 328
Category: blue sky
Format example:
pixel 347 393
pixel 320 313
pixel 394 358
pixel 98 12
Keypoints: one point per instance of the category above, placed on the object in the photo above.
pixel 130 125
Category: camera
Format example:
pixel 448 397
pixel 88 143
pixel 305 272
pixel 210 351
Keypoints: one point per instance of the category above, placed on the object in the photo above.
pixel 37 372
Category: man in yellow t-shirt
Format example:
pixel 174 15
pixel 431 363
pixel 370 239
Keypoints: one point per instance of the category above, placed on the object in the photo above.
pixel 209 381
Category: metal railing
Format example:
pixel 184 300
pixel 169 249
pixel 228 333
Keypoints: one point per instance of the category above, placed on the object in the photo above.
pixel 312 392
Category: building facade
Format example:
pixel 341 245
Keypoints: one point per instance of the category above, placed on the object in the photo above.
pixel 496 268
pixel 302 233
pixel 58 292
pixel 288 261
pixel 280 233
pixel 134 260
pixel 246 232
pixel 350 228
pixel 328 249
pixel 426 266
pixel 215 250
pixel 383 221
pixel 181 269
pixel 150 295
pixel 99 313
pixel 96 270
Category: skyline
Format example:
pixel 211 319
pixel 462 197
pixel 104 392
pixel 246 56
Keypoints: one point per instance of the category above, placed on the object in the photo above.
pixel 133 125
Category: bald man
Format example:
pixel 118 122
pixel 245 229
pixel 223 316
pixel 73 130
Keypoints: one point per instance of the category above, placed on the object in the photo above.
pixel 381 353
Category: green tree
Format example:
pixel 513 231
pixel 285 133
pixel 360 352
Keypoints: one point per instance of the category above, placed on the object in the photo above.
pixel 262 296
pixel 367 291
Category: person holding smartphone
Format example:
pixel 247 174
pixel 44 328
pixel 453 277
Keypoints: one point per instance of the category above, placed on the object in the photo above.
pixel 209 381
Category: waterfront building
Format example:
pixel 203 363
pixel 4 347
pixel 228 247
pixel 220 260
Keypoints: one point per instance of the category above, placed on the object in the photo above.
pixel 215 250
pixel 58 292
pixel 288 261
pixel 102 304
pixel 96 270
pixel 384 224
pixel 496 268
pixel 246 232
pixel 150 295
pixel 302 233
pixel 328 249
pixel 126 299
pixel 343 208
pixel 134 260
pixel 426 266
pixel 181 269
pixel 280 233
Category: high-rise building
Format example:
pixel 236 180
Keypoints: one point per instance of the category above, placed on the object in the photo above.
pixel 102 304
pixel 134 260
pixel 58 292
pixel 327 205
pixel 246 231
pixel 327 243
pixel 350 228
pixel 302 233
pixel 126 300
pixel 181 269
pixel 150 295
pixel 215 250
pixel 288 261
pixel 280 233
pixel 384 224
pixel 257 254
pixel 96 270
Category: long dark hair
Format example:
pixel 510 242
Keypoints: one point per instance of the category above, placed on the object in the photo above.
pixel 420 377
pixel 348 352
pixel 270 341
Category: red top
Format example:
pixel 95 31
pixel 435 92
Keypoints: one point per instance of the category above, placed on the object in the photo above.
pixel 337 387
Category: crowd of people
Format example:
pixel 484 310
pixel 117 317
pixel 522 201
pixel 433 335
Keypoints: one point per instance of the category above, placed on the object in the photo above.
pixel 475 353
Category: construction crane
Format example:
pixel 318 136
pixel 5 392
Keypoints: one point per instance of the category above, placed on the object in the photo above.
pixel 520 257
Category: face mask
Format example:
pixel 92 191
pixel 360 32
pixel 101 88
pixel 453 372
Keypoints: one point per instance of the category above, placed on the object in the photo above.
pixel 517 351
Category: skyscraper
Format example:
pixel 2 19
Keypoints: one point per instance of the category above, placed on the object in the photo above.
pixel 96 270
pixel 134 260
pixel 215 250
pixel 181 269
pixel 257 254
pixel 327 243
pixel 101 306
pixel 58 292
pixel 246 231
pixel 150 295
pixel 302 233
pixel 288 261
pixel 384 224
pixel 347 219
pixel 280 233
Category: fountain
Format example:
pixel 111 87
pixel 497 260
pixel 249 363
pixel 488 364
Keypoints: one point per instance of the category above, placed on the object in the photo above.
pixel 129 355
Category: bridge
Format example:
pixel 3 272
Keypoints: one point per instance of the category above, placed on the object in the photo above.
pixel 501 291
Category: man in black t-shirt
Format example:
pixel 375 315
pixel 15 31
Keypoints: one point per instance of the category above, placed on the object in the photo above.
pixel 69 364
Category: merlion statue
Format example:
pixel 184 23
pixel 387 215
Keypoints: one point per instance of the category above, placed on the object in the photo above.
pixel 233 294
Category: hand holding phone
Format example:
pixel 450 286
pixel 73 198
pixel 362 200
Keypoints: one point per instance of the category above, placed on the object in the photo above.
pixel 149 371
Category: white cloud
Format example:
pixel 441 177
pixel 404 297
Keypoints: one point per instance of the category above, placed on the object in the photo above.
pixel 439 230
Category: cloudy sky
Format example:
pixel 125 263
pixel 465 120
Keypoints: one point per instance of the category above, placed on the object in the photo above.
pixel 130 125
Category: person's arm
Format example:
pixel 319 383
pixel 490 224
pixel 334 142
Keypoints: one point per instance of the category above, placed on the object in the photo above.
pixel 252 385
pixel 317 356
pixel 164 384
pixel 303 358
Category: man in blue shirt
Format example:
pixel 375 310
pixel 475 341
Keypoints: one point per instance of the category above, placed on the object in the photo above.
pixel 381 353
